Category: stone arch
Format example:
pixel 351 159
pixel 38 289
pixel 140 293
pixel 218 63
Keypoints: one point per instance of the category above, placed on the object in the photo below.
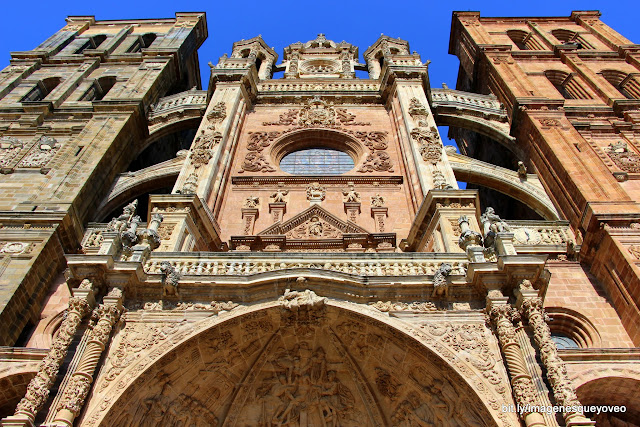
pixel 493 129
pixel 612 390
pixel 574 325
pixel 130 185
pixel 13 385
pixel 240 365
pixel 528 191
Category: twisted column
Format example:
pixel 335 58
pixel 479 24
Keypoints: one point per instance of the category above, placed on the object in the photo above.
pixel 563 389
pixel 521 383
pixel 39 387
pixel 76 391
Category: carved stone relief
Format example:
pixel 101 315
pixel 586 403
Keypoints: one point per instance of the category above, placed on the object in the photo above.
pixel 625 159
pixel 9 149
pixel 341 369
pixel 317 112
pixel 254 160
pixel 201 151
pixel 40 153
pixel 429 144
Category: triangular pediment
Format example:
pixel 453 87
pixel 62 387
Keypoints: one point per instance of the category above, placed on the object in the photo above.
pixel 313 223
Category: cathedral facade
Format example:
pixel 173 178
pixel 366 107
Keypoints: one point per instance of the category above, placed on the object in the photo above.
pixel 291 247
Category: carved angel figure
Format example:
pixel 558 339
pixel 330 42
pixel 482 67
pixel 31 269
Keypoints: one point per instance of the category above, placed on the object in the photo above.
pixel 252 202
pixel 351 195
pixel 377 201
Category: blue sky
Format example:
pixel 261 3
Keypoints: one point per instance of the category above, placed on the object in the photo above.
pixel 425 24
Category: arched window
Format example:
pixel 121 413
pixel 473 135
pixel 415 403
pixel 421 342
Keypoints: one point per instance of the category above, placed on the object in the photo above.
pixel 626 84
pixel 571 37
pixel 99 89
pixel 563 342
pixel 42 89
pixel 567 85
pixel 141 42
pixel 317 161
pixel 92 43
pixel 524 40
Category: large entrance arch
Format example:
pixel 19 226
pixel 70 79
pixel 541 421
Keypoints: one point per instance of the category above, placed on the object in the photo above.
pixel 323 364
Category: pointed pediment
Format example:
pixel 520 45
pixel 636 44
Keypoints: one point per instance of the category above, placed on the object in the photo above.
pixel 313 223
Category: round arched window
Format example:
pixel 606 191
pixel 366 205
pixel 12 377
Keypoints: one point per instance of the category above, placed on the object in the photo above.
pixel 563 342
pixel 317 161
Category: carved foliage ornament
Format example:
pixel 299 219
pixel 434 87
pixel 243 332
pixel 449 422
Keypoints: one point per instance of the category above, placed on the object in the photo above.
pixel 201 151
pixel 254 160
pixel 429 142
pixel 418 112
pixel 317 113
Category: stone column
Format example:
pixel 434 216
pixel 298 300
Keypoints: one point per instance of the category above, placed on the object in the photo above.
pixel 76 391
pixel 563 390
pixel 502 314
pixel 38 388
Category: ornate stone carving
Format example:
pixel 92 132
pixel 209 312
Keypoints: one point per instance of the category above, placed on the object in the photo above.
pixel 522 170
pixel 251 202
pixel 491 225
pixel 439 181
pixel 377 161
pixel 468 237
pixel 635 251
pixel 218 113
pixel 316 192
pixel 121 223
pixel 628 161
pixel 418 112
pixel 440 284
pixel 38 388
pixel 201 150
pixel 377 201
pixel 76 391
pixel 314 228
pixel 279 196
pixel 296 300
pixel 317 113
pixel 190 184
pixel 254 160
pixel 429 144
pixel 9 149
pixel 523 389
pixel 386 306
pixel 41 153
pixel 351 195
pixel 170 279
pixel 548 122
pixel 563 389
pixel 14 248
pixel 285 119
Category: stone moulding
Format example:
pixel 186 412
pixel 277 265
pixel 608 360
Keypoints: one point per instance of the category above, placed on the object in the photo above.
pixel 467 373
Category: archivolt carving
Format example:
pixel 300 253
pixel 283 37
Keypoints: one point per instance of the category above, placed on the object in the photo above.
pixel 253 369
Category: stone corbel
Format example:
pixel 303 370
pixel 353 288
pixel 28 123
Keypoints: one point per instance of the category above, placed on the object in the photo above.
pixel 504 244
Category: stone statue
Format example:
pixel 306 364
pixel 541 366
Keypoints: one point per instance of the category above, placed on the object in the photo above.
pixel 491 225
pixel 170 278
pixel 122 222
pixel 522 170
pixel 279 196
pixel 440 285
pixel 351 195
pixel 251 202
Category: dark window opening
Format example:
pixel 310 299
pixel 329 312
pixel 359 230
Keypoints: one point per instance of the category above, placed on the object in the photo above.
pixel 99 89
pixel 42 89
pixel 142 42
pixel 92 43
